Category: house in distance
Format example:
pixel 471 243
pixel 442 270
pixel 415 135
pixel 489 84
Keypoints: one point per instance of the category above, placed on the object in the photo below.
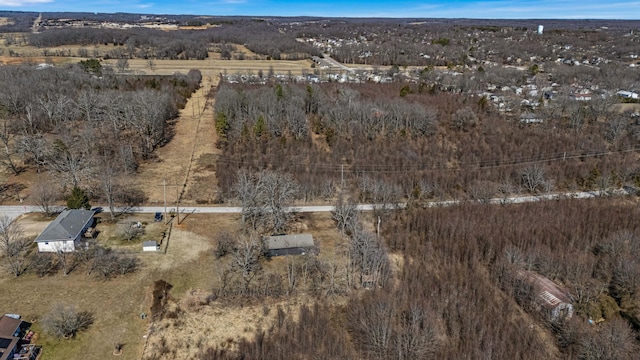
pixel 294 244
pixel 65 233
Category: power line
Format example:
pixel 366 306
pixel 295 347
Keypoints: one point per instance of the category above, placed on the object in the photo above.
pixel 352 167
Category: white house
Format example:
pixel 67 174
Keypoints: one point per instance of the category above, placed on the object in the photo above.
pixel 65 232
pixel 628 94
pixel 530 118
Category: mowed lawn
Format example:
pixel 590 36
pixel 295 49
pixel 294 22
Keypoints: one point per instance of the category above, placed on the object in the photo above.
pixel 116 305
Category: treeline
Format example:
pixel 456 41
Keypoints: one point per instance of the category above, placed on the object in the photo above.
pixel 260 37
pixel 18 21
pixel 138 43
pixel 455 293
pixel 417 143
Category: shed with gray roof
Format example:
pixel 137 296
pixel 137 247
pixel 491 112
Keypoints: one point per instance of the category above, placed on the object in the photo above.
pixel 150 245
pixel 295 244
pixel 64 234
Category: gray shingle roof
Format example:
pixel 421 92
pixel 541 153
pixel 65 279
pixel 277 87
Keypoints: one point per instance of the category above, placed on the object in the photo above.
pixel 288 241
pixel 67 226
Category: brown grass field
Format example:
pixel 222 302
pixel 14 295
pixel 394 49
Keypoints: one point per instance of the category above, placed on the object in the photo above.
pixel 5 21
pixel 210 67
pixel 186 162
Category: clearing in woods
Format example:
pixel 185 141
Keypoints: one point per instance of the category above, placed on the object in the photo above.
pixel 186 162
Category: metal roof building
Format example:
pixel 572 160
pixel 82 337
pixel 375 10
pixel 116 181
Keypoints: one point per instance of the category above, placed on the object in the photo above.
pixel 294 244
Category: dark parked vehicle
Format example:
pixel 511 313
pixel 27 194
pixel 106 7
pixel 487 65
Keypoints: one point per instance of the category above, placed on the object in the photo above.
pixel 158 217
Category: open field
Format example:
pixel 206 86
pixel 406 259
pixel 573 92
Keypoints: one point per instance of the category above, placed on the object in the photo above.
pixel 5 21
pixel 211 66
pixel 208 67
pixel 182 163
pixel 627 107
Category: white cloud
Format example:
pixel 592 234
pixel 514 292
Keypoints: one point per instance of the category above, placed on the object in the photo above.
pixel 18 3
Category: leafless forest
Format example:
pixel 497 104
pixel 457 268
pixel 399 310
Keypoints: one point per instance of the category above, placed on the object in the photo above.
pixel 443 110
pixel 455 293
pixel 423 145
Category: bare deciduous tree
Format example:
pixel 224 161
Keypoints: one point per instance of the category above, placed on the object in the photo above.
pixel 464 119
pixel 132 231
pixel 9 151
pixel 65 259
pixel 533 178
pixel 33 148
pixel 264 197
pixel 107 263
pixel 615 126
pixel 345 215
pixel 279 192
pixel 368 259
pixel 225 244
pixel 71 166
pixel 482 191
pixel 246 259
pixel 42 263
pixel 612 340
pixel 415 337
pixel 44 195
pixel 122 64
pixel 372 325
pixel 14 244
pixel 382 195
pixel 66 321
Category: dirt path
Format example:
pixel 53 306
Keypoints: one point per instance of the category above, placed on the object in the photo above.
pixel 186 162
pixel 36 24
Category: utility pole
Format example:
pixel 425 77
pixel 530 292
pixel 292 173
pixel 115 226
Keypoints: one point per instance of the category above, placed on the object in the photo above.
pixel 177 203
pixel 164 188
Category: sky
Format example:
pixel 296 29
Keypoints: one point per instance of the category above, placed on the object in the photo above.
pixel 487 9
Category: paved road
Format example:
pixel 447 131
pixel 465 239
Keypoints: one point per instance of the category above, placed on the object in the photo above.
pixel 15 211
pixel 330 62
